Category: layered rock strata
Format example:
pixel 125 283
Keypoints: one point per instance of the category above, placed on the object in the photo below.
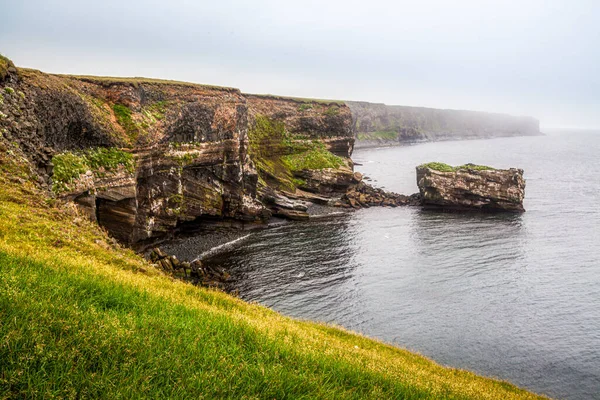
pixel 472 187
pixel 191 154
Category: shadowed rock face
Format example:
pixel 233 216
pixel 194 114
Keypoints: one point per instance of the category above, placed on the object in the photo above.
pixel 486 190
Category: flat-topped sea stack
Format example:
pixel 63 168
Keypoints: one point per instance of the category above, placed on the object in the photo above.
pixel 471 186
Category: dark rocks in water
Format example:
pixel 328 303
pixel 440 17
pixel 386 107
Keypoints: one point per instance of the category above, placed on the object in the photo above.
pixel 363 195
pixel 194 271
pixel 471 187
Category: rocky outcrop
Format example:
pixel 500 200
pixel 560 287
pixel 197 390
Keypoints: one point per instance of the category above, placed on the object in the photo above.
pixel 363 195
pixel 378 124
pixel 471 187
pixel 194 271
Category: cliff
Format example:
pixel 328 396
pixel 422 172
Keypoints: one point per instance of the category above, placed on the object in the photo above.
pixel 146 157
pixel 471 186
pixel 380 124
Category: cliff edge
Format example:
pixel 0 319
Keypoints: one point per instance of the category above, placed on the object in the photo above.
pixel 378 124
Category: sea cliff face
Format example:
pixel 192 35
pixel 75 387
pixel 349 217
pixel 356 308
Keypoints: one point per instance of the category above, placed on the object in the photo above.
pixel 175 153
pixel 379 124
pixel 146 158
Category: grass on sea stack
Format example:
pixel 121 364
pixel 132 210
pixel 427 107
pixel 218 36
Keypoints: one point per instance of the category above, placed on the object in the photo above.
pixel 82 317
pixel 442 167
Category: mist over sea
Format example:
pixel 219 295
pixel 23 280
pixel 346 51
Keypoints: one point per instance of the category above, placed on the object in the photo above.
pixel 510 296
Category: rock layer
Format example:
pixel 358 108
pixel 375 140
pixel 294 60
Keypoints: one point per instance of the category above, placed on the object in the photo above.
pixel 471 188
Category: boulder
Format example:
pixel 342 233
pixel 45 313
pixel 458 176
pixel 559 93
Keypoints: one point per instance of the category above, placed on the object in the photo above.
pixel 471 187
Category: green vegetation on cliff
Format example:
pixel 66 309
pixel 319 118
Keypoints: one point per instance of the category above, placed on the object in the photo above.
pixel 83 317
pixel 316 157
pixel 123 116
pixel 386 135
pixel 277 153
pixel 69 166
pixel 442 167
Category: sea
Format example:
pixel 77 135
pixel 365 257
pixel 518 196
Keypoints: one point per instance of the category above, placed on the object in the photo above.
pixel 510 296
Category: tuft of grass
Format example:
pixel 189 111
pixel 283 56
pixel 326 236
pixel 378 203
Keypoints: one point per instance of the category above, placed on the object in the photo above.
pixel 442 167
pixel 83 317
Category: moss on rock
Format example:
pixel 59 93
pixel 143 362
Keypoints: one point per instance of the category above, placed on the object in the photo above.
pixel 443 167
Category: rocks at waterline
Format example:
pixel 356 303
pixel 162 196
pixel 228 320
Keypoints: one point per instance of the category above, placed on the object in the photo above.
pixel 363 195
pixel 193 271
pixel 471 187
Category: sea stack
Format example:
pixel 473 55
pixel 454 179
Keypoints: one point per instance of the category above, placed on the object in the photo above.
pixel 471 187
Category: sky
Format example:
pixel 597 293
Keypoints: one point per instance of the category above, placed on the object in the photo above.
pixel 527 57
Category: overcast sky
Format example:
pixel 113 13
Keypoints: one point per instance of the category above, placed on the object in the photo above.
pixel 527 57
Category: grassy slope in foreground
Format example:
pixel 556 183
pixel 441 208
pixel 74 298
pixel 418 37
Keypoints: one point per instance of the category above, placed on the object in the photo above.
pixel 83 317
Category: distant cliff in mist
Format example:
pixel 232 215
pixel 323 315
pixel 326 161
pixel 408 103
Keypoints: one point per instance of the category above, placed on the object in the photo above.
pixel 380 124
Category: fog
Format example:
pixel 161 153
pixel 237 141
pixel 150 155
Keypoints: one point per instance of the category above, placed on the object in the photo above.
pixel 534 57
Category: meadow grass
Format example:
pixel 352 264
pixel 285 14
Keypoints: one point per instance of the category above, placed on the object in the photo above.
pixel 83 317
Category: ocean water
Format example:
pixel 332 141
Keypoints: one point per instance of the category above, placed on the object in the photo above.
pixel 515 297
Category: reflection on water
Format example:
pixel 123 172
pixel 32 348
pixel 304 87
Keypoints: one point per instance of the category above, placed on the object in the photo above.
pixel 511 296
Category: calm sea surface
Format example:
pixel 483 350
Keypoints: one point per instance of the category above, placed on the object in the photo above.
pixel 510 296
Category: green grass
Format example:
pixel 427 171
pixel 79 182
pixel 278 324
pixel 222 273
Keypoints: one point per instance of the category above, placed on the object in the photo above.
pixel 82 317
pixel 124 118
pixel 69 166
pixel 158 109
pixel 387 135
pixel 317 157
pixel 442 167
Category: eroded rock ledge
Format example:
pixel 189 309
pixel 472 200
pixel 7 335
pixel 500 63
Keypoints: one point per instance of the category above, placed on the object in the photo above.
pixel 471 187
